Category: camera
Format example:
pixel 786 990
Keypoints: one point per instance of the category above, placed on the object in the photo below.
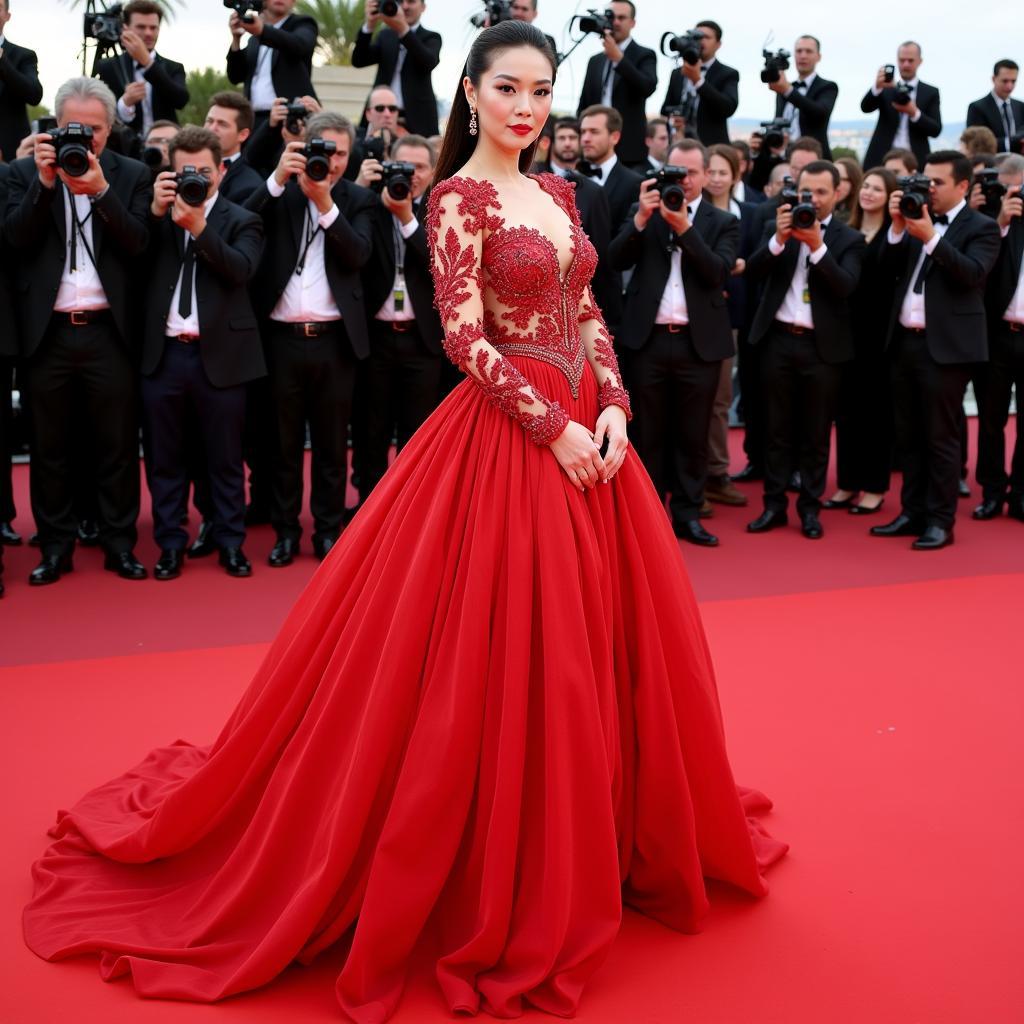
pixel 774 64
pixel 245 9
pixel 389 8
pixel 687 45
pixel 295 116
pixel 668 184
pixel 774 131
pixel 916 190
pixel 494 12
pixel 73 143
pixel 788 194
pixel 992 189
pixel 192 186
pixel 104 26
pixel 803 212
pixel 44 125
pixel 596 23
pixel 686 109
pixel 396 177
pixel 318 154
pixel 890 73
pixel 153 158
pixel 904 94
pixel 375 148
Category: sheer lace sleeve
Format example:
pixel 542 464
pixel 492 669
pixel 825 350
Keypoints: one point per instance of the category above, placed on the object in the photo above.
pixel 458 216
pixel 601 354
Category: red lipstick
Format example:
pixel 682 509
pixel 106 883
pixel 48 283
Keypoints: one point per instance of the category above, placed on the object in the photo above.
pixel 521 129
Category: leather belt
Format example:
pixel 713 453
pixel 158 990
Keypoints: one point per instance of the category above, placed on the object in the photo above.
pixel 309 330
pixel 185 339
pixel 398 326
pixel 1014 326
pixel 672 328
pixel 82 317
pixel 796 329
pixel 912 330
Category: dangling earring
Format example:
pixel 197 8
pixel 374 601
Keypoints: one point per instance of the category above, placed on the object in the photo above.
pixel 472 122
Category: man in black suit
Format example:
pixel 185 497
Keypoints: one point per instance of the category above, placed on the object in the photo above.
pixel 79 240
pixel 1005 368
pixel 712 85
pixel 908 116
pixel 374 136
pixel 807 103
pixel 149 87
pixel 676 324
pixel 8 354
pixel 802 327
pixel 406 54
pixel 319 237
pixel 997 111
pixel 230 118
pixel 19 87
pixel 277 61
pixel 526 10
pixel 198 350
pixel 939 263
pixel 600 130
pixel 658 138
pixel 622 76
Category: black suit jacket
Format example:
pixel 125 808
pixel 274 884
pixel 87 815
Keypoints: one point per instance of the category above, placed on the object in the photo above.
pixel 954 289
pixel 815 106
pixel 635 78
pixel 831 281
pixel 719 97
pixel 347 247
pixel 596 221
pixel 35 227
pixel 926 127
pixel 8 320
pixel 240 181
pixel 622 190
pixel 291 66
pixel 227 255
pixel 708 251
pixel 379 273
pixel 167 77
pixel 19 87
pixel 422 53
pixel 1005 275
pixel 985 112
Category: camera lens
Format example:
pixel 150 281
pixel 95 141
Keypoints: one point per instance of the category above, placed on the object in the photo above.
pixel 73 159
pixel 400 187
pixel 389 8
pixel 192 187
pixel 673 198
pixel 318 167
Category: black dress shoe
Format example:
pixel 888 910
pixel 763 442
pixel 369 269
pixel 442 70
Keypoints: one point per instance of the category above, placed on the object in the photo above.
pixel 203 544
pixel 257 515
pixel 322 545
pixel 810 526
pixel 691 531
pixel 901 526
pixel 9 537
pixel 283 552
pixel 88 533
pixel 50 569
pixel 769 519
pixel 168 565
pixel 748 474
pixel 235 563
pixel 125 564
pixel 845 503
pixel 932 539
pixel 990 508
pixel 962 490
pixel 1015 507
pixel 34 541
pixel 866 510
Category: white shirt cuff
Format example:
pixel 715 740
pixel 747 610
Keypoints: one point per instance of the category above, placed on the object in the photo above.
pixel 916 117
pixel 273 188
pixel 875 91
pixel 819 254
pixel 366 28
pixel 1004 231
pixel 929 246
pixel 328 218
pixel 126 113
pixel 773 246
pixel 895 237
pixel 408 230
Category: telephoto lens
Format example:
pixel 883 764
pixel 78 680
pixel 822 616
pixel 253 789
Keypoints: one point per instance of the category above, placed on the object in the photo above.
pixel 916 190
pixel 318 158
pixel 192 186
pixel 397 179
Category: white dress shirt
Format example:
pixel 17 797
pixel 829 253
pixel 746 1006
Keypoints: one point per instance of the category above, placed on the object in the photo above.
pixel 1015 310
pixel 127 113
pixel 388 311
pixel 791 111
pixel 308 297
pixel 608 85
pixel 606 169
pixel 175 323
pixel 1003 137
pixel 262 93
pixel 693 88
pixel 396 79
pixel 672 307
pixel 901 140
pixel 796 305
pixel 79 288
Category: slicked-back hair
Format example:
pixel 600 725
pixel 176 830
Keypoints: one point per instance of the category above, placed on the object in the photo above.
pixel 1010 65
pixel 713 25
pixel 689 146
pixel 142 7
pixel 961 165
pixel 232 100
pixel 193 139
pixel 329 121
pixel 822 167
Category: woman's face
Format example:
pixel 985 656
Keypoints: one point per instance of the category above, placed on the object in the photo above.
pixel 873 196
pixel 843 191
pixel 513 99
pixel 719 176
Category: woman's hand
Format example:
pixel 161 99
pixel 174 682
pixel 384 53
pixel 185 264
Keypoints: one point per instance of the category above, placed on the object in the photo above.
pixel 579 455
pixel 612 424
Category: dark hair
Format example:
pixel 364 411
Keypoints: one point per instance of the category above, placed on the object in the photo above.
pixel 855 175
pixel 822 167
pixel 162 124
pixel 193 139
pixel 690 146
pixel 229 99
pixel 1010 65
pixel 962 169
pixel 654 124
pixel 713 25
pixel 612 116
pixel 814 39
pixel 727 151
pixel 857 211
pixel 629 4
pixel 742 147
pixel 458 145
pixel 905 156
pixel 413 140
pixel 142 7
pixel 986 160
pixel 567 122
pixel 805 144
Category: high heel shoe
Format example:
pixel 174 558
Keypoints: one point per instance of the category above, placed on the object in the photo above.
pixel 865 510
pixel 845 503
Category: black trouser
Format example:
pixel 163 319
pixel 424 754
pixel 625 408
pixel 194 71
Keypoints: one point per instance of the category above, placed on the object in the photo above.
pixel 673 393
pixel 86 365
pixel 403 383
pixel 864 424
pixel 259 444
pixel 928 406
pixel 311 378
pixel 800 394
pixel 992 384
pixel 7 509
pixel 180 392
pixel 748 371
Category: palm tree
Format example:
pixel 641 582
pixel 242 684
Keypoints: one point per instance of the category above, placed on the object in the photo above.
pixel 340 22
pixel 168 5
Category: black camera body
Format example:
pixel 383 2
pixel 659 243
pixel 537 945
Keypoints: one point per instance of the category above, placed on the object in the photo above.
pixel 917 189
pixel 104 26
pixel 494 12
pixel 803 212
pixel 153 158
pixel 992 189
pixel 396 177
pixel 774 131
pixel 668 183
pixel 596 23
pixel 788 194
pixel 193 187
pixel 318 153
pixel 389 8
pixel 375 148
pixel 687 45
pixel 775 62
pixel 890 73
pixel 247 10
pixel 903 94
pixel 73 143
pixel 295 116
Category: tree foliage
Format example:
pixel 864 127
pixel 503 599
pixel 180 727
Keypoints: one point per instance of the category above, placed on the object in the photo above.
pixel 201 86
pixel 340 22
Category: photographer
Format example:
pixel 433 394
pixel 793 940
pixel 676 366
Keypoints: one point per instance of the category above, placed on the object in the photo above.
pixel 200 349
pixel 406 54
pixel 810 263
pixel 908 111
pixel 526 10
pixel 159 138
pixel 278 56
pixel 622 77
pixel 374 137
pixel 19 87
pixel 230 118
pixel 657 140
pixel 285 123
pixel 806 103
pixel 714 87
pixel 994 381
pixel 677 326
pixel 149 87
pixel 318 233
pixel 79 237
pixel 997 111
pixel 600 131
pixel 938 258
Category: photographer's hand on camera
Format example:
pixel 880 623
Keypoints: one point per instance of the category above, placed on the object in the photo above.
pixel 650 200
pixel 691 71
pixel 1011 206
pixel 371 14
pixel 237 30
pixel 677 220
pixel 165 191
pixel 899 222
pixel 976 196
pixel 370 170
pixel 292 162
pixel 319 192
pixel 191 218
pixel 92 183
pixel 781 85
pixel 46 160
pixel 783 223
pixel 401 208
pixel 920 228
pixel 612 50
pixel 811 237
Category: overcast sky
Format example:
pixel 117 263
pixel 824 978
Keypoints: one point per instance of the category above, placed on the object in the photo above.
pixel 957 60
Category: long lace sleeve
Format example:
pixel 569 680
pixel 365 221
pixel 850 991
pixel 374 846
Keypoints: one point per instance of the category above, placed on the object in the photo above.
pixel 458 216
pixel 601 353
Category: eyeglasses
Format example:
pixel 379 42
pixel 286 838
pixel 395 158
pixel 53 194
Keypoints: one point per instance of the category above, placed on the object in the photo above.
pixel 391 108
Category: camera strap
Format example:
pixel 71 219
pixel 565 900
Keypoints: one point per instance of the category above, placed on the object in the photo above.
pixel 78 231
pixel 311 229
pixel 398 292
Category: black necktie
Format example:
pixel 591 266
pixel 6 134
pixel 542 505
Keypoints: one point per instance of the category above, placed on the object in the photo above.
pixel 943 218
pixel 799 85
pixel 1006 123
pixel 607 75
pixel 185 295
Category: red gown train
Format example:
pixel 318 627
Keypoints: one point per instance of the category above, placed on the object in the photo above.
pixel 492 709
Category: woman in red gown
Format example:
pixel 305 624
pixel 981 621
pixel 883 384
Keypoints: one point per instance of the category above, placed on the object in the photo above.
pixel 492 710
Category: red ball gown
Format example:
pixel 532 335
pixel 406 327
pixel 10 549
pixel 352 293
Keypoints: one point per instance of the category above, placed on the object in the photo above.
pixel 492 711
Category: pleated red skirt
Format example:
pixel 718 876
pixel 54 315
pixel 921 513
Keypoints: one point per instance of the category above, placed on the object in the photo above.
pixel 492 710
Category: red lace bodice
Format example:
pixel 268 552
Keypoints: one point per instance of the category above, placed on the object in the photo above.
pixel 500 290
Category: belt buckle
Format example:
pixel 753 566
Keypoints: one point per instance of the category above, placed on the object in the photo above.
pixel 310 331
pixel 1015 327
pixel 400 326
pixel 675 328
pixel 78 318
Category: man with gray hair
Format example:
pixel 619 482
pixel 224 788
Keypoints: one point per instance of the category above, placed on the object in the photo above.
pixel 78 214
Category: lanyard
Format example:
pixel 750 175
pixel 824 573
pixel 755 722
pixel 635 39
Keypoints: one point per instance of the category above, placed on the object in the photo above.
pixel 310 230
pixel 399 288
pixel 78 229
